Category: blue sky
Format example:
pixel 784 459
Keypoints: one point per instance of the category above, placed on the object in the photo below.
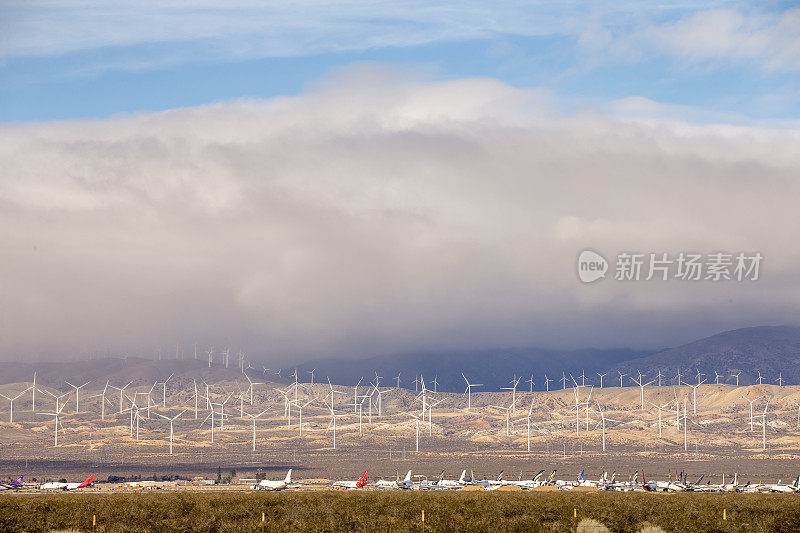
pixel 714 61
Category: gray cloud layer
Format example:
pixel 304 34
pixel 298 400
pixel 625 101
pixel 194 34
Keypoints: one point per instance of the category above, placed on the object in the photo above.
pixel 379 214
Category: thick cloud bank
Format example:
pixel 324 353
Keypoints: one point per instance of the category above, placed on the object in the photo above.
pixel 377 214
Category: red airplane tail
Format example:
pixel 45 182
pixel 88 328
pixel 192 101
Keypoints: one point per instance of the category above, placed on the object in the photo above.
pixel 88 482
pixel 362 480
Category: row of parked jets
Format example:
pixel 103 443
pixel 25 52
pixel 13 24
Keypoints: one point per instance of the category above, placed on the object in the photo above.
pixel 674 483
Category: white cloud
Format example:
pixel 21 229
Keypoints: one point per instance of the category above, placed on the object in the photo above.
pixel 713 37
pixel 377 215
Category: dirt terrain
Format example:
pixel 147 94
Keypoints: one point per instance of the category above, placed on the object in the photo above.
pixel 718 437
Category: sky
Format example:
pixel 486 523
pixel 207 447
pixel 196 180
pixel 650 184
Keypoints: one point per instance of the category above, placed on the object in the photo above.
pixel 313 179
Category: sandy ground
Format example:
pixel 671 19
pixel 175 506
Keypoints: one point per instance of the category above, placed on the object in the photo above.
pixel 718 436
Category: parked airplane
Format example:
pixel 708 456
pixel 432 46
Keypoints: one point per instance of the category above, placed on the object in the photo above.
pixel 527 483
pixel 405 483
pixel 353 484
pixel 68 486
pixel 452 483
pixel 268 484
pixel 490 484
pixel 778 487
pixel 16 484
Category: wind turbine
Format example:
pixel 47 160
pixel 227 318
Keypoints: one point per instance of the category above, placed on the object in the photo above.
pixel 287 406
pixel 312 374
pixel 300 418
pixel 380 394
pixel 514 381
pixel 760 379
pixel 659 376
pixel 577 408
pixel 32 388
pixel 751 402
pixel 416 417
pixel 694 396
pixel 171 421
pixel 621 375
pixel 57 416
pixel 603 423
pixel 528 419
pixel 660 407
pixel 332 393
pixel 563 380
pixel 397 378
pixel 121 393
pixel 196 397
pixel 11 404
pixel 547 382
pixel 333 419
pixel 601 377
pixel 58 398
pixel 739 373
pixel 763 417
pixel 103 401
pixel 686 421
pixel 531 382
pixel 716 377
pixel 133 407
pixel 149 395
pixel 779 381
pixel 699 375
pixel 210 415
pixel 164 404
pixel 468 390
pixel 508 416
pixel 252 384
pixel 642 384
pixel 798 411
pixel 222 411
pixel 211 360
pixel 360 407
pixel 430 416
pixel 255 417
pixel 435 383
pixel 355 394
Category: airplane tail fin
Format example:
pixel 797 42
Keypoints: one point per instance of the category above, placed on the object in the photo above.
pixel 288 477
pixel 500 476
pixel 441 476
pixel 407 478
pixel 88 482
pixel 613 476
pixel 362 480
pixel 736 479
pixel 463 473
pixel 538 476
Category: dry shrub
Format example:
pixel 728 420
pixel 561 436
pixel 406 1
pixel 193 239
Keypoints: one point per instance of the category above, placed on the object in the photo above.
pixel 587 525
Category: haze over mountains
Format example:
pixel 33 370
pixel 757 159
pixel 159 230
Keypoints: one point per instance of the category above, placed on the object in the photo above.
pixel 772 350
